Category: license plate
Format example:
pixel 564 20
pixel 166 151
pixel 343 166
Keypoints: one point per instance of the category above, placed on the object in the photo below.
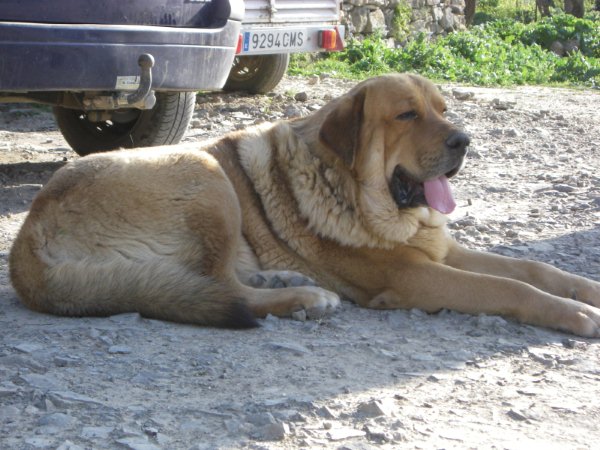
pixel 273 40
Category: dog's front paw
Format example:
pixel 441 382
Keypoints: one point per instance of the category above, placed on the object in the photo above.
pixel 582 320
pixel 276 279
pixel 317 303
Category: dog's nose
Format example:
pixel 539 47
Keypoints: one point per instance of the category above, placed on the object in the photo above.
pixel 458 142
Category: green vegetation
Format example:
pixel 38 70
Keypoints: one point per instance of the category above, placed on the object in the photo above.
pixel 401 20
pixel 499 52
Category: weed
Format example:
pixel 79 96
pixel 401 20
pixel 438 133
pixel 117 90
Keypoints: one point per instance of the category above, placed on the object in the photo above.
pixel 501 52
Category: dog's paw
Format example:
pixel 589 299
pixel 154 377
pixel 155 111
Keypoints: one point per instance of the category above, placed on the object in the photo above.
pixel 315 304
pixel 276 279
pixel 582 320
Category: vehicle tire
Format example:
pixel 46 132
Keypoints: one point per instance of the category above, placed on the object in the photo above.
pixel 257 74
pixel 128 128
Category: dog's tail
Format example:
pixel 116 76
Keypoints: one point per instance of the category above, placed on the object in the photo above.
pixel 160 288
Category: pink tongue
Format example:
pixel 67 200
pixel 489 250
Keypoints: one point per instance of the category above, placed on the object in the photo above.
pixel 438 195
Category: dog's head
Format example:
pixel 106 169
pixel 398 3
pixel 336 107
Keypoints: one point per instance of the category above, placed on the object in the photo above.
pixel 394 126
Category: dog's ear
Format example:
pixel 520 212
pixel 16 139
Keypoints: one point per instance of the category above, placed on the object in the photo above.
pixel 340 131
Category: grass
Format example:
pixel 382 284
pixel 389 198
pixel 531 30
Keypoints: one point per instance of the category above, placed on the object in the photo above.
pixel 500 52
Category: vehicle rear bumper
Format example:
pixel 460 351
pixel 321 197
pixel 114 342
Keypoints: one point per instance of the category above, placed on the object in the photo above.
pixel 42 57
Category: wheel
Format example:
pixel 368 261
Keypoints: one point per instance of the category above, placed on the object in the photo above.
pixel 128 128
pixel 257 74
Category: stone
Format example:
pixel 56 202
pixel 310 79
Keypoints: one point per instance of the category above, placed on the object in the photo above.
pixel 68 445
pixel 43 382
pixel 272 432
pixel 137 443
pixel 7 389
pixel 378 434
pixel 96 432
pixel 260 419
pixel 301 97
pixel 338 434
pixel 326 413
pixel 462 94
pixel 68 399
pixel 517 415
pixel 39 442
pixel 502 105
pixel 290 346
pixel 376 22
pixel 9 414
pixel 376 408
pixel 27 347
pixel 56 422
pixel 21 361
pixel 119 349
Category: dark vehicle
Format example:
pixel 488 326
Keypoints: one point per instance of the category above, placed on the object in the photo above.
pixel 117 73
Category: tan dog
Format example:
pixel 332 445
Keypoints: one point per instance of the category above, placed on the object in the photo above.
pixel 352 196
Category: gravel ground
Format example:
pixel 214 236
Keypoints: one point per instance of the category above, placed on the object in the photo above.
pixel 360 379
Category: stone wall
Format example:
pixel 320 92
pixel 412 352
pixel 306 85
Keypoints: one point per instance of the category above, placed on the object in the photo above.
pixel 396 19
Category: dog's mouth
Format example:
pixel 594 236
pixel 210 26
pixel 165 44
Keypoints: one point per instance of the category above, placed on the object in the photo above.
pixel 436 193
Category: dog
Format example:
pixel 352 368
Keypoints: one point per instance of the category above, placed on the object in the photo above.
pixel 284 219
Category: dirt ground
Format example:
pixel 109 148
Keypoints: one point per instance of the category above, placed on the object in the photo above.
pixel 360 379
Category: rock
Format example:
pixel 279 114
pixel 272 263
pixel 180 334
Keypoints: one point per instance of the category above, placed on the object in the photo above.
pixel 126 318
pixel 137 443
pixel 376 408
pixel 376 22
pixel 22 361
pixel 9 414
pixel 68 399
pixel 301 97
pixel 272 432
pixel 27 347
pixel 564 188
pixel 40 442
pixel 290 346
pixel 517 415
pixel 233 426
pixel 292 112
pixel 68 445
pixel 56 422
pixel 7 389
pixel 502 105
pixel 378 434
pixel 96 432
pixel 338 434
pixel 260 419
pixel 66 360
pixel 462 94
pixel 43 382
pixel 490 322
pixel 119 349
pixel 326 413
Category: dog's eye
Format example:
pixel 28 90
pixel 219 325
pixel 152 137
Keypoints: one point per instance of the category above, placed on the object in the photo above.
pixel 409 115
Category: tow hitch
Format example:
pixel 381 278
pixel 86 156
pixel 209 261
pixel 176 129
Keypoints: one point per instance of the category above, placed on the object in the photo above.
pixel 142 98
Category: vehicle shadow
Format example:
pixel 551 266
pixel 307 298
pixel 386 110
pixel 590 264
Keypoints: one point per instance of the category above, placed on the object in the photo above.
pixel 20 182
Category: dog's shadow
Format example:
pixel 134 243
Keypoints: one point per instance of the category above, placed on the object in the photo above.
pixel 348 361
